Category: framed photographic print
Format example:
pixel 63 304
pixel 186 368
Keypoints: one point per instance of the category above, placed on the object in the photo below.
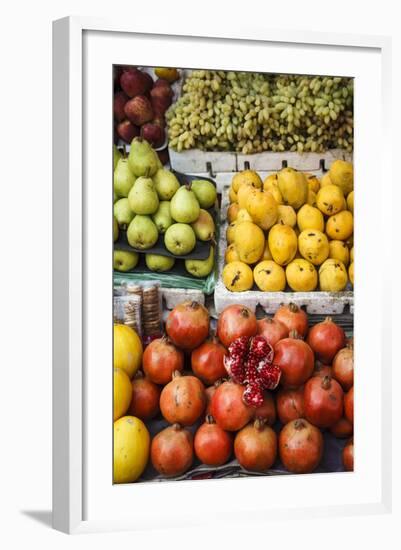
pixel 207 331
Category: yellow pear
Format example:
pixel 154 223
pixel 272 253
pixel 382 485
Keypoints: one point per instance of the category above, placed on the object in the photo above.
pixel 333 276
pixel 286 215
pixel 342 174
pixel 350 202
pixel 232 195
pixel 267 255
pixel 330 199
pixel 325 180
pixel 231 254
pixel 243 216
pixel 262 207
pixel 270 184
pixel 309 217
pixel 351 273
pixel 282 243
pixel 340 226
pixel 249 241
pixel 301 275
pixel 237 276
pixel 246 177
pixel 314 246
pixel 230 232
pixel 313 182
pixel 232 212
pixel 311 198
pixel 243 192
pixel 293 187
pixel 338 250
pixel 269 276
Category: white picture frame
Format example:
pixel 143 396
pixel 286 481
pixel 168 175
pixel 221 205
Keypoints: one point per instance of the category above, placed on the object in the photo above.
pixel 83 494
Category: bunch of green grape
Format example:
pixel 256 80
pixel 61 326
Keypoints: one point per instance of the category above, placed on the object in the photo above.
pixel 254 112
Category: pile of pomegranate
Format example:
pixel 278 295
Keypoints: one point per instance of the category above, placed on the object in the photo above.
pixel 262 391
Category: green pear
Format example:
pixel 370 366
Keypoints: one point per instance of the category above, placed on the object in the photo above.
pixel 166 184
pixel 115 229
pixel 156 262
pixel 124 179
pixel 184 206
pixel 143 198
pixel 204 226
pixel 180 239
pixel 162 217
pixel 124 260
pixel 116 156
pixel 201 268
pixel 123 213
pixel 143 160
pixel 205 192
pixel 142 233
pixel 115 197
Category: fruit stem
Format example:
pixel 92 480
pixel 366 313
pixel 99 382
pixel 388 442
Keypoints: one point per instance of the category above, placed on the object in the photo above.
pixel 176 426
pixel 259 424
pixel 294 334
pixel 326 382
pixel 299 424
pixel 176 374
pixel 209 419
pixel 293 307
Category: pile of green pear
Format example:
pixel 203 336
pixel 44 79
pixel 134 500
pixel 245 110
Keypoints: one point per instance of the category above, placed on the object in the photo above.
pixel 149 201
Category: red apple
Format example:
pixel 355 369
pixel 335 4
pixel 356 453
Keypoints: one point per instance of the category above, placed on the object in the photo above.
pixel 134 82
pixel 127 131
pixel 119 101
pixel 153 133
pixel 139 110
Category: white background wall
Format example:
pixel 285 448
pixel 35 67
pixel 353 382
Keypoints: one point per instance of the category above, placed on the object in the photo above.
pixel 25 341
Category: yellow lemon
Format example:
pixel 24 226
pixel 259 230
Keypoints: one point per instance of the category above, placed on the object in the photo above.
pixel 301 275
pixel 237 276
pixel 122 389
pixel 131 449
pixel 127 349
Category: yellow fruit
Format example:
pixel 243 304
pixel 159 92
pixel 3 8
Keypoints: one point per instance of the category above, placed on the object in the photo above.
pixel 351 273
pixel 237 276
pixel 350 202
pixel 122 393
pixel 127 349
pixel 243 193
pixel 286 215
pixel 293 187
pixel 313 245
pixel 243 216
pixel 351 255
pixel 246 177
pixel 269 276
pixel 342 174
pixel 231 254
pixel 267 255
pixel 332 276
pixel 313 182
pixel 325 180
pixel 249 241
pixel 270 184
pixel 232 195
pixel 232 212
pixel 230 232
pixel 309 217
pixel 340 226
pixel 311 198
pixel 282 243
pixel 167 73
pixel 338 250
pixel 262 208
pixel 330 200
pixel 131 449
pixel 301 275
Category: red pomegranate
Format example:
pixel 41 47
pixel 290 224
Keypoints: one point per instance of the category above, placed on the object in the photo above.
pixel 145 398
pixel 255 447
pixel 160 359
pixel 295 359
pixel 272 330
pixel 293 317
pixel 323 401
pixel 300 446
pixel 342 428
pixel 290 404
pixel 343 368
pixel 228 408
pixel 183 400
pixel 326 339
pixel 348 456
pixel 236 321
pixel 349 405
pixel 322 370
pixel 207 361
pixel 209 392
pixel 188 325
pixel 213 445
pixel 266 411
pixel 171 451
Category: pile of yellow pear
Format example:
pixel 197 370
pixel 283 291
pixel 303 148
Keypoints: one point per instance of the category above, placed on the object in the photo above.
pixel 291 229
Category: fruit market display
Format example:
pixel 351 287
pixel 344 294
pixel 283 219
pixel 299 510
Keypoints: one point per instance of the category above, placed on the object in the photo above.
pixel 258 394
pixel 254 112
pixel 140 103
pixel 160 217
pixel 291 231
